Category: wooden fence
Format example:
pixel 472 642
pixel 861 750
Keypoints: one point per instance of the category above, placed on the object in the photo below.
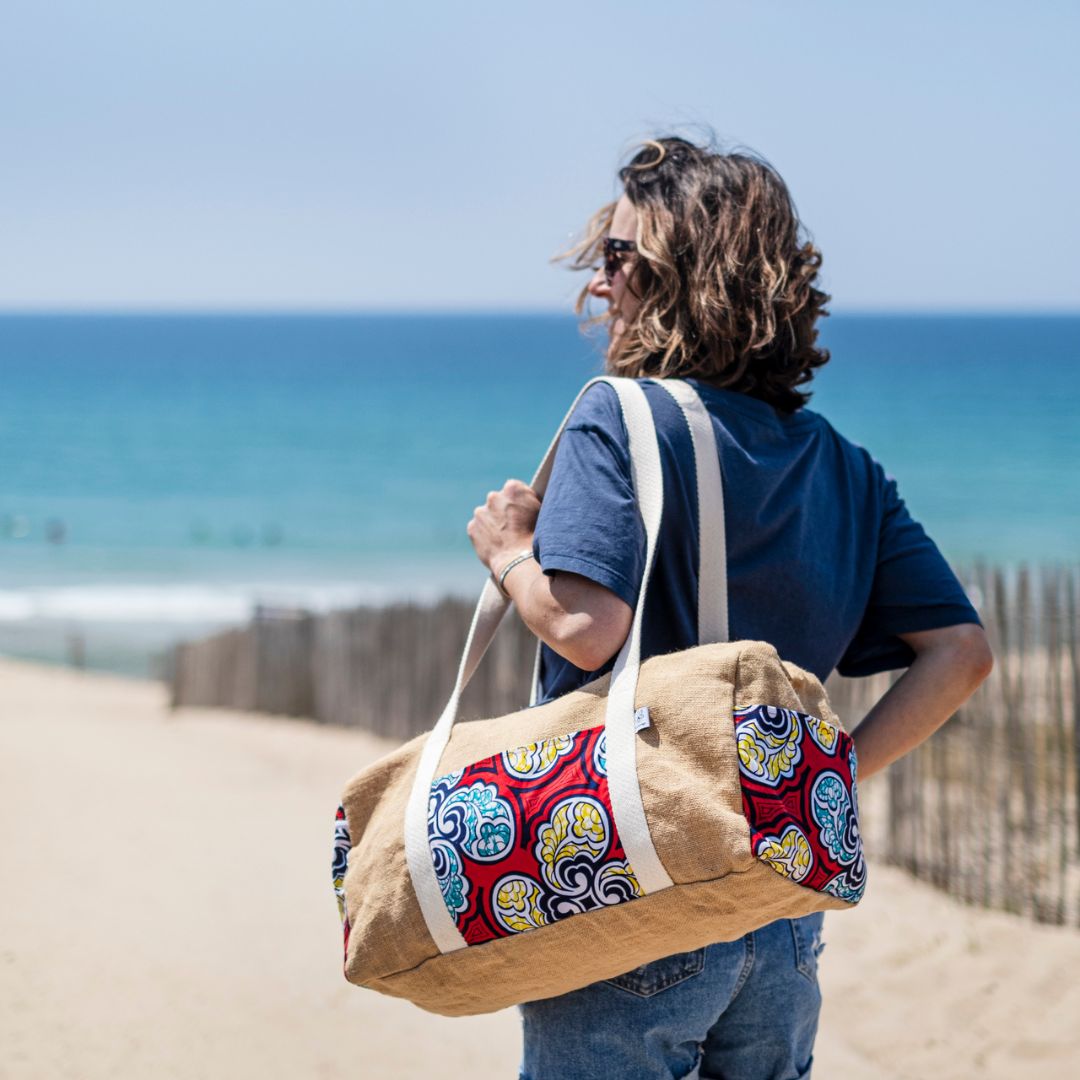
pixel 986 809
pixel 388 669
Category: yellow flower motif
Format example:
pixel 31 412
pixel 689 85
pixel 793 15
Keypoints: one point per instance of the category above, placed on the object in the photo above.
pixel 535 759
pixel 767 755
pixel 577 826
pixel 750 754
pixel 825 732
pixel 553 834
pixel 588 823
pixel 515 904
pixel 789 855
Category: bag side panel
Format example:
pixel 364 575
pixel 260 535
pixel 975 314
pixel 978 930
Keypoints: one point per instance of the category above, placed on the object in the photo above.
pixel 387 931
pixel 799 776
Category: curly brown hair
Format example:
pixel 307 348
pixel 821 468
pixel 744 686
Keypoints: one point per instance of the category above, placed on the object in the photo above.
pixel 726 284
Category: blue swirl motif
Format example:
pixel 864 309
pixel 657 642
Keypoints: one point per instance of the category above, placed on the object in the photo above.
pixel 853 765
pixel 446 861
pixel 769 740
pixel 453 884
pixel 834 815
pixel 850 883
pixel 441 787
pixel 600 754
pixel 477 820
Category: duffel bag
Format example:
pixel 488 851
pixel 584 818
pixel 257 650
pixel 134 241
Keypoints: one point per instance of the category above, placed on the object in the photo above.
pixel 661 807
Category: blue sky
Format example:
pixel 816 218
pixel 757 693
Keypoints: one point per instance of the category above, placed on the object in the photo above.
pixel 435 155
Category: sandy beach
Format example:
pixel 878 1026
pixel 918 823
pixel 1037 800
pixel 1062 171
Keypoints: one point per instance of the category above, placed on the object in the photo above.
pixel 166 910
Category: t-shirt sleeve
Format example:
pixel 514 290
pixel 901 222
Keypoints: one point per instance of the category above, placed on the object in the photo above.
pixel 914 588
pixel 589 522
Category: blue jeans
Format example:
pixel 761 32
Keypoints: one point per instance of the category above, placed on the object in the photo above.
pixel 737 1010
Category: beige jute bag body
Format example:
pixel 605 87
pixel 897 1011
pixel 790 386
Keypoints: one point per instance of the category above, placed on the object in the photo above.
pixel 659 808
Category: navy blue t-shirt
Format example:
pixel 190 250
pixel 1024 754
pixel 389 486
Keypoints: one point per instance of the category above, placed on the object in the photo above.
pixel 824 561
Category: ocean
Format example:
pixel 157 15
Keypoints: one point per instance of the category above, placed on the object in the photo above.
pixel 161 475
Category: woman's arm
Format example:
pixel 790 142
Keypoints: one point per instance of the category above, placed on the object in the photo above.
pixel 949 665
pixel 584 622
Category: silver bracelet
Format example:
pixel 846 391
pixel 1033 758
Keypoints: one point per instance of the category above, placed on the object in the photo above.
pixel 510 566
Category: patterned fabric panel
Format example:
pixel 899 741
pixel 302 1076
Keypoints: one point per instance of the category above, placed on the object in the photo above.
pixel 342 846
pixel 799 796
pixel 527 837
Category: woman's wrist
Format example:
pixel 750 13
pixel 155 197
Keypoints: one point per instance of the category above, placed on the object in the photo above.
pixel 505 565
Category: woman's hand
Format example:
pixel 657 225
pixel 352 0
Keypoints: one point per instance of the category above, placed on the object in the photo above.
pixel 579 619
pixel 505 524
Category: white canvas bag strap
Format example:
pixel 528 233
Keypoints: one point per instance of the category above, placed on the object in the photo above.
pixel 624 788
pixel 712 537
pixel 619 717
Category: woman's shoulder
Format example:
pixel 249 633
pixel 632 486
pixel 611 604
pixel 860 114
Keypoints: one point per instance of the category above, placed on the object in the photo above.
pixel 598 407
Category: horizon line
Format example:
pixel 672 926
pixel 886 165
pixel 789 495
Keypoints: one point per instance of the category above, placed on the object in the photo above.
pixel 300 311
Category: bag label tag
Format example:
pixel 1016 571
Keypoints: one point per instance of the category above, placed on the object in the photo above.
pixel 641 718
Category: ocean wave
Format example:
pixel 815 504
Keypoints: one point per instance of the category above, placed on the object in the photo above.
pixel 194 603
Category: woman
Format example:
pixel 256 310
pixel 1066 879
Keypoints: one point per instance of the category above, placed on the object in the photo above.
pixel 706 278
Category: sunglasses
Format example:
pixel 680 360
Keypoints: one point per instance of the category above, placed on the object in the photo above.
pixel 614 251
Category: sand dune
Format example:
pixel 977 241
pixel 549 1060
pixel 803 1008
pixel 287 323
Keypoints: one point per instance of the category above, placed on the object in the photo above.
pixel 166 910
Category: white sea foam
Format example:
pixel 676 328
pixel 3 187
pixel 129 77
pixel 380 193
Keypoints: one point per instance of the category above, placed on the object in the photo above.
pixel 200 603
